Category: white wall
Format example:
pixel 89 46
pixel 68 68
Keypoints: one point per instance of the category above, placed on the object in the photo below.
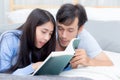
pixel 4 8
pixel 1 11
pixel 5 5
pixel 100 2
pixel 42 2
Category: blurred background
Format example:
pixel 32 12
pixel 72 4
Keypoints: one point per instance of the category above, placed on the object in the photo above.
pixel 8 7
pixel 103 17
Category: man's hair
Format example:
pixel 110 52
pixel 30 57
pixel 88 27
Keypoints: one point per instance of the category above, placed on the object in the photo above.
pixel 68 12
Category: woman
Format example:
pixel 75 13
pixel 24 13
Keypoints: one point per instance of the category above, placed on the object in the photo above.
pixel 22 50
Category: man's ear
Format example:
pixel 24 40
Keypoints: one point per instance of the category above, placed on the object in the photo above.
pixel 80 29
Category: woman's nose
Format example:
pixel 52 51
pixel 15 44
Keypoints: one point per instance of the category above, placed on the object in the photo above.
pixel 47 37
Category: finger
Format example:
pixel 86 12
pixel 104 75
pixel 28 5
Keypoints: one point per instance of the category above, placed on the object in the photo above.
pixel 79 52
pixel 79 62
pixel 76 58
pixel 73 65
pixel 76 64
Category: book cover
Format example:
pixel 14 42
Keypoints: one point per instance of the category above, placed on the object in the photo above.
pixel 57 61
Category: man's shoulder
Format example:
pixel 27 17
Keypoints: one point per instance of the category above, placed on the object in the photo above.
pixel 84 34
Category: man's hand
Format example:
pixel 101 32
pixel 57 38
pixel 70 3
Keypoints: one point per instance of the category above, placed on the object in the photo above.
pixel 80 58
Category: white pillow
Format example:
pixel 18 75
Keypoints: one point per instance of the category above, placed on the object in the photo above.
pixel 20 16
pixel 103 14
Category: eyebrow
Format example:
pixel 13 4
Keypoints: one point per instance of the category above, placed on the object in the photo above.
pixel 70 28
pixel 62 27
pixel 59 26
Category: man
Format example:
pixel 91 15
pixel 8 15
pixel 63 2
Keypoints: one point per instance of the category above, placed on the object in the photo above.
pixel 70 21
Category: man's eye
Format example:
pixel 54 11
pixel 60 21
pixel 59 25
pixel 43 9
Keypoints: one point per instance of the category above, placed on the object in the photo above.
pixel 70 30
pixel 59 28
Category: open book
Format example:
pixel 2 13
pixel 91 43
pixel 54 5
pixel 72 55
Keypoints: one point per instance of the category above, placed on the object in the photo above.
pixel 57 61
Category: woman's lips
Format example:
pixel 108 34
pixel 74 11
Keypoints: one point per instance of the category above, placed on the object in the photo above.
pixel 42 43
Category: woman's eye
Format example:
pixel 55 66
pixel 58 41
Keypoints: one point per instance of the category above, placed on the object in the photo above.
pixel 43 32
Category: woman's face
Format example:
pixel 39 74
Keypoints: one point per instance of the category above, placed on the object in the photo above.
pixel 43 34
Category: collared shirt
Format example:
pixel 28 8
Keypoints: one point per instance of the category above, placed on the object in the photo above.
pixel 9 47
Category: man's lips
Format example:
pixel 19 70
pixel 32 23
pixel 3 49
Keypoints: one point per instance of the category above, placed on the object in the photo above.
pixel 63 41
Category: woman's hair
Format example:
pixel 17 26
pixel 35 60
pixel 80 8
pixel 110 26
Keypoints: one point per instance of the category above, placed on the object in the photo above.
pixel 28 51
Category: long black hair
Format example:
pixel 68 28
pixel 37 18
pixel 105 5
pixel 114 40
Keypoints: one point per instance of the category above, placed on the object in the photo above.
pixel 27 40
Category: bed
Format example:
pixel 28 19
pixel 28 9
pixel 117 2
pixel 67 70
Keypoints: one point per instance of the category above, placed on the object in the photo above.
pixel 98 72
pixel 103 24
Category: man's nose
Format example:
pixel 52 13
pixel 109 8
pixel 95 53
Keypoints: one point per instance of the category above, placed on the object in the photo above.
pixel 64 35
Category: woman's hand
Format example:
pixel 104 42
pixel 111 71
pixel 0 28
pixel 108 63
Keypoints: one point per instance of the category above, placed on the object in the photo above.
pixel 35 65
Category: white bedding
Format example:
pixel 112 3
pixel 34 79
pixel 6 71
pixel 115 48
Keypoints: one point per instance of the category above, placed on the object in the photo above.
pixel 101 14
pixel 98 73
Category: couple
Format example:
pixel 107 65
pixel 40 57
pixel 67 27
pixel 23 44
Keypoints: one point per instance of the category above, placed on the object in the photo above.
pixel 23 50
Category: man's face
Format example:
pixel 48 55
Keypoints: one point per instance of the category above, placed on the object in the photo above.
pixel 66 33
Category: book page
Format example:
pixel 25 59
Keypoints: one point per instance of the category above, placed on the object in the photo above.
pixel 57 61
pixel 72 46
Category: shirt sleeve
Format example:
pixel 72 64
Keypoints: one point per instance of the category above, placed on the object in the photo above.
pixel 8 47
pixel 24 71
pixel 67 68
pixel 88 42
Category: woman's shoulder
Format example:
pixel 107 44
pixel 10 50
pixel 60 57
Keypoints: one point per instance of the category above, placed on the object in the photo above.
pixel 10 39
pixel 10 33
